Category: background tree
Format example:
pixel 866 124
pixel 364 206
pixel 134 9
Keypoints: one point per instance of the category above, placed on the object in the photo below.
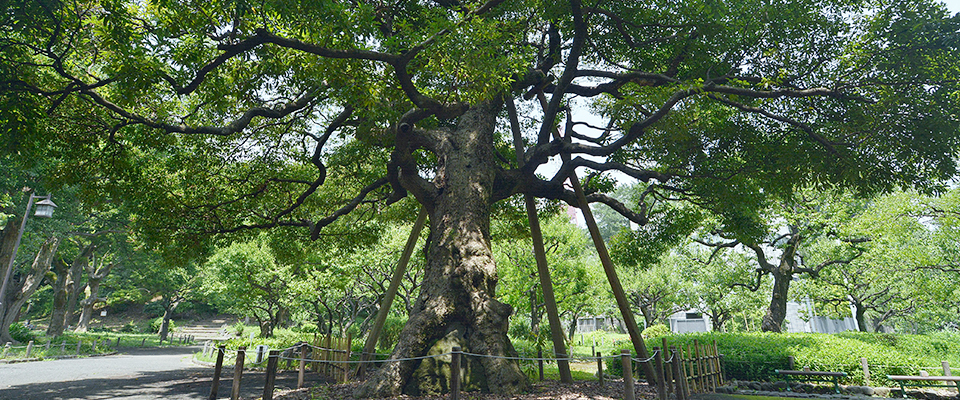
pixel 711 285
pixel 226 116
pixel 569 258
pixel 246 279
pixel 786 250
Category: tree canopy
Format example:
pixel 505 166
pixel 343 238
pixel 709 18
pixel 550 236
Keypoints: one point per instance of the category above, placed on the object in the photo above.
pixel 231 116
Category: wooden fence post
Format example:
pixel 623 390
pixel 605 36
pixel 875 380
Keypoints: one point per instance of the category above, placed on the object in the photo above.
pixel 667 373
pixel 540 362
pixel 679 379
pixel 216 373
pixel 661 383
pixel 455 373
pixel 118 342
pixel 29 348
pixel 79 343
pixel 6 349
pixel 716 355
pixel 238 372
pixel 703 379
pixel 94 349
pixel 791 363
pixel 627 364
pixel 708 364
pixel 143 342
pixel 316 354
pixel 692 368
pixel 866 369
pixel 600 368
pixel 303 365
pixel 272 360
pixel 946 372
pixel 63 347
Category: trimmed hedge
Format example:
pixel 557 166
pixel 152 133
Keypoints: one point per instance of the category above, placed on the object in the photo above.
pixel 755 356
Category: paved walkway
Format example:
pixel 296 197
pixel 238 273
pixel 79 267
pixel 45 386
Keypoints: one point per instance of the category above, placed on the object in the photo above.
pixel 135 374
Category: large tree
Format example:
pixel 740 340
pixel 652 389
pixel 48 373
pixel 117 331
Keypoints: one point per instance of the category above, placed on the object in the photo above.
pixel 228 115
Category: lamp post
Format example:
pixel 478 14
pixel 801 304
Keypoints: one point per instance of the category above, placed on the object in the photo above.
pixel 44 209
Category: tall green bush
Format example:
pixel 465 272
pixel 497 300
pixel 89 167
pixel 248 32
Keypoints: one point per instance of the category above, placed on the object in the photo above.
pixel 756 356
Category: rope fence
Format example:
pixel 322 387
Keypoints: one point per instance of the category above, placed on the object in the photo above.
pixel 678 371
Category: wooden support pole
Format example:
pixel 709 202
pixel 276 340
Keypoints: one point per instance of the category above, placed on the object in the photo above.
pixel 143 342
pixel 455 373
pixel 63 347
pixel 238 373
pixel 79 343
pixel 217 370
pixel 303 365
pixel 6 349
pixel 272 361
pixel 29 349
pixel 370 345
pixel 540 255
pixel 599 368
pixel 661 384
pixel 118 342
pixel 627 364
pixel 791 363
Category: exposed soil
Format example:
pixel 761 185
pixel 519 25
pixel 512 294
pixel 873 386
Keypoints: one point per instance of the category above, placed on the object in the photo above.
pixel 547 390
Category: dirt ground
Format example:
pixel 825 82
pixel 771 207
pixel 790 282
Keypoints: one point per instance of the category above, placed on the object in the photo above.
pixel 547 390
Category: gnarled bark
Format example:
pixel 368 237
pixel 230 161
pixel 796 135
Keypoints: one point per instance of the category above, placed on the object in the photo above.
pixel 777 310
pixel 457 305
pixel 61 271
pixel 94 277
pixel 29 284
pixel 62 289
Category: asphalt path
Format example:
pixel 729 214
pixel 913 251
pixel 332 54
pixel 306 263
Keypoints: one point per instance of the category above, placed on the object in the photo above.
pixel 134 374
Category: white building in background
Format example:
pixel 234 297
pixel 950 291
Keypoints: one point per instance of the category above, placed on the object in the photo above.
pixel 689 321
pixel 599 322
pixel 801 317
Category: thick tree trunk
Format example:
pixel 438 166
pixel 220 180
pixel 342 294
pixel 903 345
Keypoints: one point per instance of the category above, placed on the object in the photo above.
pixel 649 316
pixel 72 283
pixel 457 305
pixel 860 316
pixel 7 242
pixel 61 270
pixel 74 288
pixel 93 281
pixel 777 310
pixel 165 323
pixel 41 264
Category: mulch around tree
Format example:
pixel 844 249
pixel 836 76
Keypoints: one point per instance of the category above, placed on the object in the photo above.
pixel 546 390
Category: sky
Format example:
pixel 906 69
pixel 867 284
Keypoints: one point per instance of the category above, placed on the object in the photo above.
pixel 953 5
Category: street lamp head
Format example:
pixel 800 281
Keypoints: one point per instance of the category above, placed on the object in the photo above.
pixel 45 208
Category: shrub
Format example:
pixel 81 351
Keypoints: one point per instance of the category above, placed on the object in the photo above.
pixel 21 333
pixel 655 331
pixel 756 356
pixel 391 332
pixel 153 309
pixel 155 325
